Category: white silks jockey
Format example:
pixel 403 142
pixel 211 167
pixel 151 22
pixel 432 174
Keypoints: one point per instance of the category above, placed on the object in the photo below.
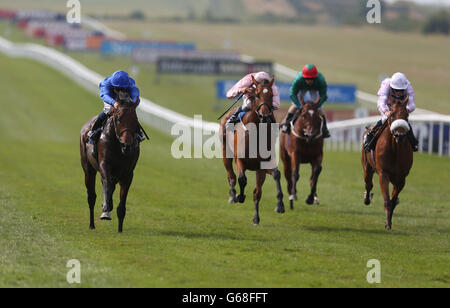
pixel 397 87
pixel 242 87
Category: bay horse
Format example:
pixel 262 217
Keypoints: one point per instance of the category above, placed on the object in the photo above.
pixel 302 146
pixel 392 159
pixel 260 118
pixel 118 153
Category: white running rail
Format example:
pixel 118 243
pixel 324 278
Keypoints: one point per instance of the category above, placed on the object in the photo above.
pixel 346 135
pixel 152 114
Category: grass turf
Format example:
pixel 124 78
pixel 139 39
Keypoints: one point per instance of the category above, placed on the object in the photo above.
pixel 179 230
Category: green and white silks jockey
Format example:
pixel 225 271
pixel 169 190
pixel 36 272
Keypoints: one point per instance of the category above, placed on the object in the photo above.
pixel 309 80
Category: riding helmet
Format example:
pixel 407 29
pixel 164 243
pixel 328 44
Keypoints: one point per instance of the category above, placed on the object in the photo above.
pixel 309 71
pixel 120 79
pixel 399 82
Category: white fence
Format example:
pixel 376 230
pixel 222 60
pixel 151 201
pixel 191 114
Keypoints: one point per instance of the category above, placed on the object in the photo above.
pixel 152 114
pixel 432 129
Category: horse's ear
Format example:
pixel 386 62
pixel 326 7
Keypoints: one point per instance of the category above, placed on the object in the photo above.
pixel 136 101
pixel 272 80
pixel 254 81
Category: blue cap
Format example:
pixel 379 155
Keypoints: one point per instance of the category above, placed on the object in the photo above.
pixel 120 79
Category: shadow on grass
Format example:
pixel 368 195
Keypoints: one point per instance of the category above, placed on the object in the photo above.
pixel 380 231
pixel 217 236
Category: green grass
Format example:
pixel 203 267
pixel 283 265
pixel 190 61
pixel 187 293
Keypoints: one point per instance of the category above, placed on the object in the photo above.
pixel 179 230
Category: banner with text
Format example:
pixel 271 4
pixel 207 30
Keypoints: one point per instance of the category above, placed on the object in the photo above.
pixel 337 93
pixel 210 66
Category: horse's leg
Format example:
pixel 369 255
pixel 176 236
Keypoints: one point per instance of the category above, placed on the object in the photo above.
pixel 295 166
pixel 121 209
pixel 384 184
pixel 398 187
pixel 287 172
pixel 89 180
pixel 228 163
pixel 277 177
pixel 242 179
pixel 260 178
pixel 368 176
pixel 368 179
pixel 108 190
pixel 316 168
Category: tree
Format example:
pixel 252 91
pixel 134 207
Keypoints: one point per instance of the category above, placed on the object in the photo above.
pixel 437 23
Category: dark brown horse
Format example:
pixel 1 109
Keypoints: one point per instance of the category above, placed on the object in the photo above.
pixel 245 145
pixel 118 153
pixel 302 146
pixel 392 159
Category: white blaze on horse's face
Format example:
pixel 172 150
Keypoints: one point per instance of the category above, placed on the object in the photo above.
pixel 311 112
pixel 265 91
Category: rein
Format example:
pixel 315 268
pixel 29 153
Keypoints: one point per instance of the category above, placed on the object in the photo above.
pixel 121 132
pixel 303 137
pixel 259 107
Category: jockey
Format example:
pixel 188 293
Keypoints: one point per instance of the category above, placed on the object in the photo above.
pixel 397 87
pixel 244 86
pixel 312 81
pixel 109 89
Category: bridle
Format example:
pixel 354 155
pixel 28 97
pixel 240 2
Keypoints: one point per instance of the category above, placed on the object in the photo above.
pixel 120 133
pixel 261 116
pixel 300 135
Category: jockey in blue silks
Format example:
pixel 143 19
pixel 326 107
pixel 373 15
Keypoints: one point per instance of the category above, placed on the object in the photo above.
pixel 109 89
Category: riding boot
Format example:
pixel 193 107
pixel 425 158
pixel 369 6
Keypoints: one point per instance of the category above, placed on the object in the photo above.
pixel 286 126
pixel 412 139
pixel 325 131
pixel 233 119
pixel 369 142
pixel 93 133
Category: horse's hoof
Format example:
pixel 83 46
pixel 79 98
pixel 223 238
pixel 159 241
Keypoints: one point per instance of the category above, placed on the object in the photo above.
pixel 388 227
pixel 106 216
pixel 232 200
pixel 291 202
pixel 241 198
pixel 280 208
pixel 316 200
pixel 310 200
pixel 92 227
pixel 368 199
pixel 255 222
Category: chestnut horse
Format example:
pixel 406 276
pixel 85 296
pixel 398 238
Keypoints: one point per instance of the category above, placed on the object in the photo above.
pixel 392 159
pixel 303 145
pixel 118 153
pixel 248 139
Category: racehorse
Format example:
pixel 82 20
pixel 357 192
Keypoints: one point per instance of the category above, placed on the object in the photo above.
pixel 118 153
pixel 303 145
pixel 392 159
pixel 260 117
